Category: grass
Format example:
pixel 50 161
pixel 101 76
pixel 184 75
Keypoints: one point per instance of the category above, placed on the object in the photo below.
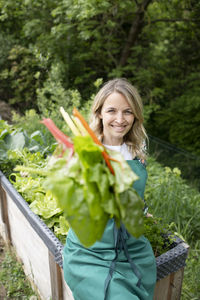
pixel 13 279
pixel 191 282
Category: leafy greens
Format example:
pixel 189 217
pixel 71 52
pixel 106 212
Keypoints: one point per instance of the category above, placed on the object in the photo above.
pixel 89 194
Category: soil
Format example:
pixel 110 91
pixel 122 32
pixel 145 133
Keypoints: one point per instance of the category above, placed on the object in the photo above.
pixel 2 255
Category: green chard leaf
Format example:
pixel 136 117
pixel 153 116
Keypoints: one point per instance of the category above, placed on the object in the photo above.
pixel 133 217
pixel 63 226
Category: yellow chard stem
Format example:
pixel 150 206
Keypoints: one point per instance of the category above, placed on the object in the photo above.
pixel 69 122
pixel 80 126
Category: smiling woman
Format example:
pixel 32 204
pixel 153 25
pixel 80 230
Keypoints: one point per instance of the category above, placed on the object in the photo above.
pixel 119 265
pixel 117 116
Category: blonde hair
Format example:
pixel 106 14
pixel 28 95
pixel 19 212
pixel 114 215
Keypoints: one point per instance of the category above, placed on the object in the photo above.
pixel 135 138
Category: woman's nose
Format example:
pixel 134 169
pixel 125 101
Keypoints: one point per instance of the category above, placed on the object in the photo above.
pixel 120 117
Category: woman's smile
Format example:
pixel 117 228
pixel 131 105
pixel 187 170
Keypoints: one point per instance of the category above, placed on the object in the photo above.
pixel 118 128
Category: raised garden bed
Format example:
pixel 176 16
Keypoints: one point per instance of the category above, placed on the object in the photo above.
pixel 41 252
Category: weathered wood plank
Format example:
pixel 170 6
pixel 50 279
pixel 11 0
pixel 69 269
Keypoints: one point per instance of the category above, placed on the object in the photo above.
pixel 176 283
pixel 161 289
pixel 30 249
pixel 169 288
pixel 4 220
pixel 56 279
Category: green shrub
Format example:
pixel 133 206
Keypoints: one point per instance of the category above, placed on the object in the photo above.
pixel 23 75
pixel 171 199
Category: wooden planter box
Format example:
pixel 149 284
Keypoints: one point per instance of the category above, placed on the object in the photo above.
pixel 41 252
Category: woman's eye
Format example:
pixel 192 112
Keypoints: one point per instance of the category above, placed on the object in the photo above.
pixel 110 110
pixel 128 112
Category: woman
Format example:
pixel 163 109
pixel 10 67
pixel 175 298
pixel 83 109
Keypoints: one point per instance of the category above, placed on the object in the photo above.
pixel 119 266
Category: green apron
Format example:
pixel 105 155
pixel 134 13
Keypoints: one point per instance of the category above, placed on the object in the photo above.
pixel 115 268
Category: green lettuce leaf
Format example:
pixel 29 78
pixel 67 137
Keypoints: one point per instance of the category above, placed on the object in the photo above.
pixel 45 207
pixel 63 226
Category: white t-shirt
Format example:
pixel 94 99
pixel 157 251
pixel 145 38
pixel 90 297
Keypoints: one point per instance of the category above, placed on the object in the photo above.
pixel 123 149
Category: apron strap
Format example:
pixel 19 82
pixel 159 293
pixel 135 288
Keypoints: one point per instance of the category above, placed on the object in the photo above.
pixel 120 237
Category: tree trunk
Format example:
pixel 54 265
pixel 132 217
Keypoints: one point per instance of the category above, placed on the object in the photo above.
pixel 135 30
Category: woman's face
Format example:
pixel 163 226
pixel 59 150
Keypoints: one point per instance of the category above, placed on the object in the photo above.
pixel 117 119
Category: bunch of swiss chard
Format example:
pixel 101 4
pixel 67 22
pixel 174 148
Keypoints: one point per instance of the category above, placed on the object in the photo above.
pixel 91 184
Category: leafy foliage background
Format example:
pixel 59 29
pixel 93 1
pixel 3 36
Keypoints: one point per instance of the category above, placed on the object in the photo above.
pixel 51 48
